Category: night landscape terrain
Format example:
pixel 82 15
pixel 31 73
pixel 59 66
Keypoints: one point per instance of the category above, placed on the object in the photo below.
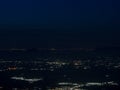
pixel 59 45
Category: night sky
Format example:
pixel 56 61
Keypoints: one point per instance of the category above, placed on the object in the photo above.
pixel 59 23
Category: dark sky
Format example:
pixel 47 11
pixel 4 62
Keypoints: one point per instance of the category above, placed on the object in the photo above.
pixel 59 23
